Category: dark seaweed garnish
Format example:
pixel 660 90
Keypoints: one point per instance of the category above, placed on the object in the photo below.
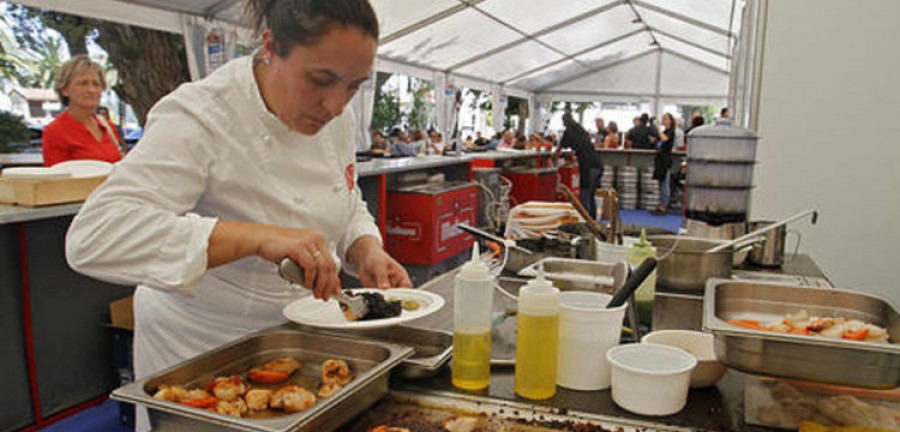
pixel 379 307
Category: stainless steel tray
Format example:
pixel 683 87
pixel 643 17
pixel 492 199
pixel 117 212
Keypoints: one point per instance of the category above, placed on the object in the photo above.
pixel 433 348
pixel 833 361
pixel 368 360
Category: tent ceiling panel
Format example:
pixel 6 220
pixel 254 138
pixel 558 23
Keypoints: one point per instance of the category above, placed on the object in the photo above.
pixel 713 12
pixel 637 76
pixel 713 60
pixel 511 62
pixel 622 49
pixel 592 31
pixel 684 77
pixel 561 71
pixel 449 41
pixel 396 15
pixel 196 7
pixel 701 36
pixel 531 16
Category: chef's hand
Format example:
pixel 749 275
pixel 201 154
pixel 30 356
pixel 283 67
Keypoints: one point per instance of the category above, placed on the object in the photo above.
pixel 376 268
pixel 309 250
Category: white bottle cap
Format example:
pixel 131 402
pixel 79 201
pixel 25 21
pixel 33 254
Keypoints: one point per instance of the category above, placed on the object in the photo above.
pixel 475 269
pixel 539 297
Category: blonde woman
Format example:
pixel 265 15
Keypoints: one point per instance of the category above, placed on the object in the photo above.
pixel 78 133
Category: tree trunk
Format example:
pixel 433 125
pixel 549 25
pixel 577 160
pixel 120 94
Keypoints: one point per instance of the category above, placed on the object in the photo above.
pixel 151 64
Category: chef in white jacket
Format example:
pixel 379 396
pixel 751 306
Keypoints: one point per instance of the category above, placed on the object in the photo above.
pixel 235 172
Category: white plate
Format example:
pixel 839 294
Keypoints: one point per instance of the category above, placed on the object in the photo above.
pixel 327 314
pixel 85 168
pixel 35 173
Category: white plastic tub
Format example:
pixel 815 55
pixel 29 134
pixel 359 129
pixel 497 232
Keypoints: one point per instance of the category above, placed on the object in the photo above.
pixel 649 379
pixel 587 329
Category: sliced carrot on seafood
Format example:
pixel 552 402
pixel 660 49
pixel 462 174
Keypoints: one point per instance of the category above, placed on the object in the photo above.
pixel 800 331
pixel 750 324
pixel 205 402
pixel 856 335
pixel 261 376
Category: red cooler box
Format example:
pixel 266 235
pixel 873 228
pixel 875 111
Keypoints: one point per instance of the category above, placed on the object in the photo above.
pixel 422 221
pixel 532 184
pixel 571 177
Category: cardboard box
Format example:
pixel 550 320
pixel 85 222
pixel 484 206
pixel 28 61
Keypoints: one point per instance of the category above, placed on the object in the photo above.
pixel 121 313
pixel 33 193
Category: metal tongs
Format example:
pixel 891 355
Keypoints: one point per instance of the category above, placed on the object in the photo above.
pixel 353 307
pixel 488 236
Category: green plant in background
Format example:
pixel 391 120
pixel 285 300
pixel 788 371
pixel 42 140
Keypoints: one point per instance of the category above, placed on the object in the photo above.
pixel 709 113
pixel 386 110
pixel 422 107
pixel 13 133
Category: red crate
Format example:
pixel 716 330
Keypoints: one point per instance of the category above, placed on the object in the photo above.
pixel 422 222
pixel 571 177
pixel 536 184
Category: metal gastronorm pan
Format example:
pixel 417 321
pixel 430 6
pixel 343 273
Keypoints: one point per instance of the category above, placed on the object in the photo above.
pixel 369 361
pixel 834 361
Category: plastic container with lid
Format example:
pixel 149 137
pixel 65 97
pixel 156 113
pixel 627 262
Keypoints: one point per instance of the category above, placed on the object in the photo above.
pixel 537 339
pixel 472 296
pixel 646 292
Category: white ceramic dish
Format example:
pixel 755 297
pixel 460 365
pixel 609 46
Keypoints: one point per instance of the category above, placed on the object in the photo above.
pixel 649 379
pixel 327 314
pixel 701 345
pixel 35 173
pixel 85 168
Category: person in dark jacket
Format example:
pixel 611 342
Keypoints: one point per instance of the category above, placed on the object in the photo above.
pixel 642 136
pixel 662 162
pixel 590 164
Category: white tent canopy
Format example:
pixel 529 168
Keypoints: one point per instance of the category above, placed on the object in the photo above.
pixel 585 50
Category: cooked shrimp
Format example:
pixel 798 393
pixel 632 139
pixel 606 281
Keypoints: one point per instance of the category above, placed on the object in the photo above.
pixel 258 399
pixel 287 365
pixel 777 327
pixel 292 399
pixel 169 393
pixel 326 390
pixel 228 388
pixel 235 408
pixel 876 334
pixel 335 372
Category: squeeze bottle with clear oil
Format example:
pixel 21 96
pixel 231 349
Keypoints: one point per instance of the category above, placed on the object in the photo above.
pixel 473 293
pixel 537 339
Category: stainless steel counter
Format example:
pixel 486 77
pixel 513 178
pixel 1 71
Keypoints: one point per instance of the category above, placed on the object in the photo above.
pixel 393 165
pixel 716 408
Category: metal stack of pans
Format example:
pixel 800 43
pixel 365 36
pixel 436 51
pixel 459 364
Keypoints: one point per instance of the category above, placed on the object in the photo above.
pixel 649 190
pixel 628 187
pixel 720 173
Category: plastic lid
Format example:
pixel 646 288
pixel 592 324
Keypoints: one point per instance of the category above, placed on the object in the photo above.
pixel 721 130
pixel 475 269
pixel 539 296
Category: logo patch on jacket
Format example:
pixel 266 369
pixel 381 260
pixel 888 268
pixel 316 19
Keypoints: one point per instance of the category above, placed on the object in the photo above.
pixel 348 175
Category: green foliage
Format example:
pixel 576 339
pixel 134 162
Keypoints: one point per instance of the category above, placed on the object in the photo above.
pixel 422 107
pixel 30 55
pixel 13 132
pixel 709 113
pixel 386 112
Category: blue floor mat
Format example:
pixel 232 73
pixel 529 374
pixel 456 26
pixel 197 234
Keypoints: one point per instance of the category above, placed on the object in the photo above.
pixel 100 418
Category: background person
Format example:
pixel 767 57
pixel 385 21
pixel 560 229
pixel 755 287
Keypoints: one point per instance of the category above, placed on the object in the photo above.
pixel 590 164
pixel 78 133
pixel 662 162
pixel 217 193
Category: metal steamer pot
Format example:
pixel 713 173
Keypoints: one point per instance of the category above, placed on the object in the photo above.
pixel 725 231
pixel 685 264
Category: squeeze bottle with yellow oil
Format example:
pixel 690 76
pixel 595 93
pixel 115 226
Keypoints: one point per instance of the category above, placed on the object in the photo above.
pixel 472 295
pixel 537 339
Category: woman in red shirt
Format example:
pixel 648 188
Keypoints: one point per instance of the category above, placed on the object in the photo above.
pixel 78 133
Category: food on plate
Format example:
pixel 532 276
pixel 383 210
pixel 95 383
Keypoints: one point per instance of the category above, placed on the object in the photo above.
pixel 234 408
pixel 292 399
pixel 335 372
pixel 227 388
pixel 258 399
pixel 801 323
pixel 275 371
pixel 378 306
pixel 407 305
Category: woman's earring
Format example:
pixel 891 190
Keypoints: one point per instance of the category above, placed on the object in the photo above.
pixel 267 61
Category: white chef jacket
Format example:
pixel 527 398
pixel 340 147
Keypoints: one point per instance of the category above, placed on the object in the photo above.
pixel 211 150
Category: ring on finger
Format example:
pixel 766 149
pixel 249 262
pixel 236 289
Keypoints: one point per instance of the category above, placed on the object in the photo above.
pixel 317 254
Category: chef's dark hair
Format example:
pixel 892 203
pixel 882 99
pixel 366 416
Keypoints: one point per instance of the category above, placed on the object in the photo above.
pixel 303 22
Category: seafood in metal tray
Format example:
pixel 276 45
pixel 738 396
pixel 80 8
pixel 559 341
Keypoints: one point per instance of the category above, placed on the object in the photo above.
pixel 831 327
pixel 234 396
